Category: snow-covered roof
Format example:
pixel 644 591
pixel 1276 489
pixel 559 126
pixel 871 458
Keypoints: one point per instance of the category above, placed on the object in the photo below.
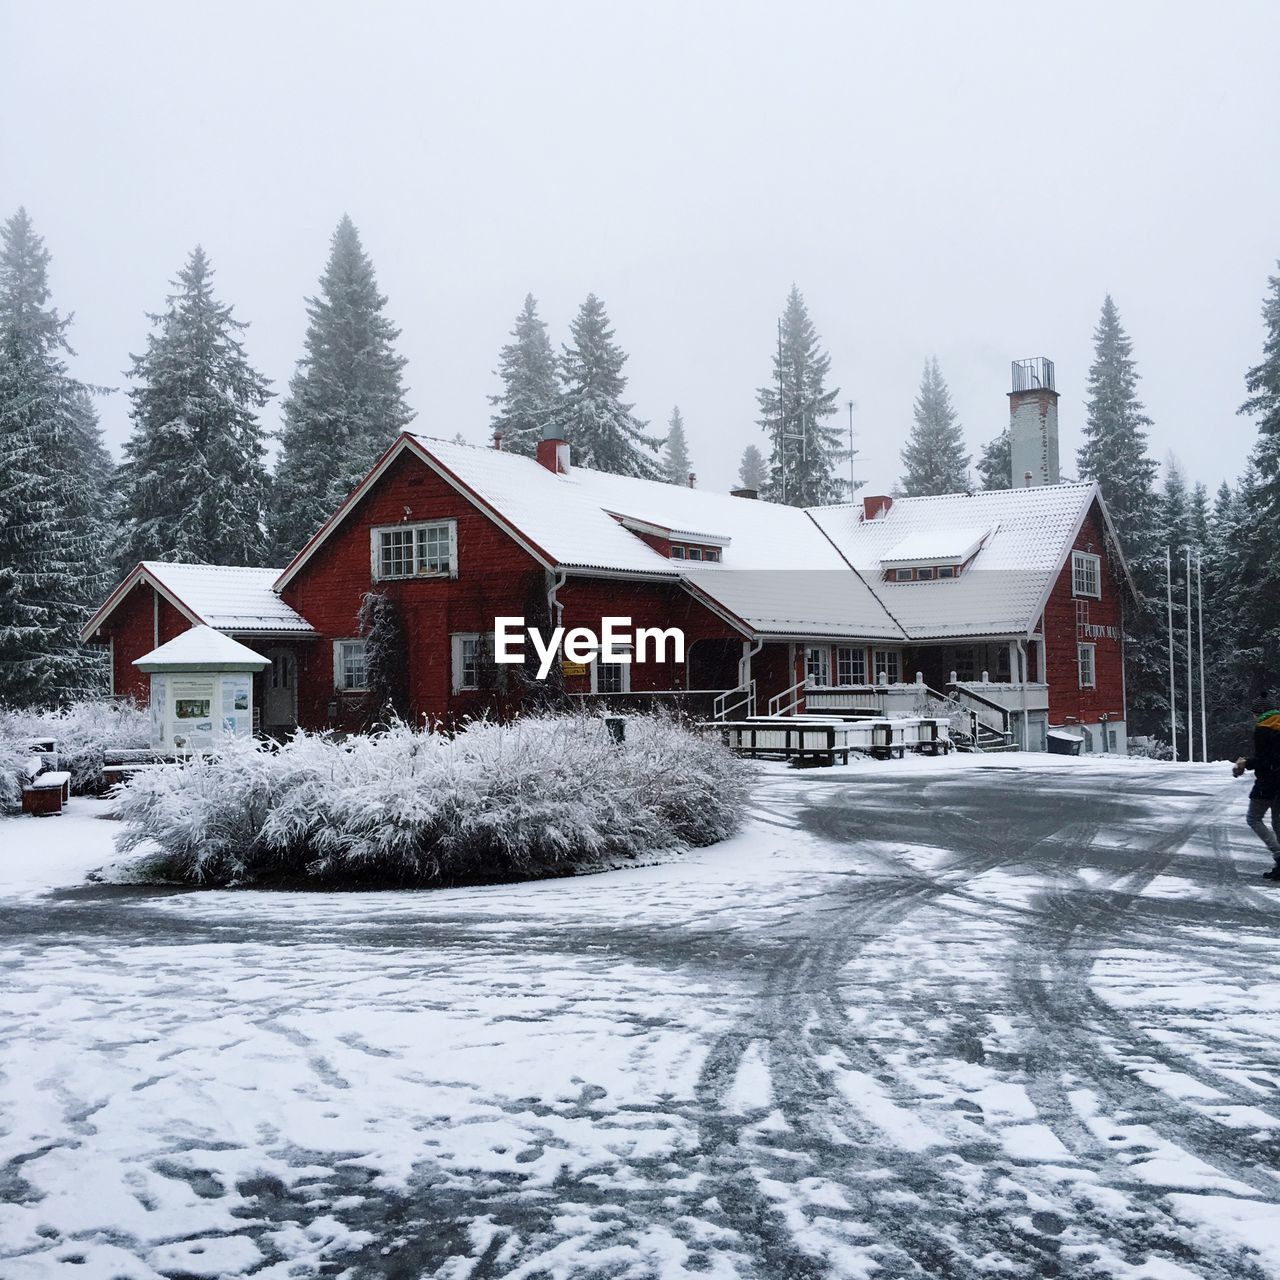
pixel 204 649
pixel 1002 591
pixel 235 598
pixel 947 545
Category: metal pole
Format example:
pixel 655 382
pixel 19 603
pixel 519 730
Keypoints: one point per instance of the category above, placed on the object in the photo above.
pixel 1204 723
pixel 782 417
pixel 850 450
pixel 1173 697
pixel 1191 724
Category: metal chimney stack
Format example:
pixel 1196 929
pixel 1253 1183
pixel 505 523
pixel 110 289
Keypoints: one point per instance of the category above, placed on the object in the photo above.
pixel 1033 424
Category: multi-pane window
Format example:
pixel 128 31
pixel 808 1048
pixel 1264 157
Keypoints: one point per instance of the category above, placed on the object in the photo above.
pixel 817 666
pixel 904 575
pixel 1086 575
pixel 966 660
pixel 947 571
pixel 466 662
pixel 924 573
pixel 412 550
pixel 351 666
pixel 694 553
pixel 677 553
pixel 851 666
pixel 888 663
pixel 611 677
pixel 1088 668
pixel 712 554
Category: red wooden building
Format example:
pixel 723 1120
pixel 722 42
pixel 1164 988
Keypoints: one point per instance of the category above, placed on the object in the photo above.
pixel 1007 602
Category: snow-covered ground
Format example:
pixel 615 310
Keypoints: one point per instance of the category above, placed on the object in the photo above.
pixel 1016 1016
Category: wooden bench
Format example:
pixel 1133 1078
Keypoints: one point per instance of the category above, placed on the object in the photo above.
pixel 46 793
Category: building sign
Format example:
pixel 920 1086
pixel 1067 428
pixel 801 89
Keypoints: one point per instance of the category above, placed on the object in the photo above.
pixel 573 668
pixel 1094 631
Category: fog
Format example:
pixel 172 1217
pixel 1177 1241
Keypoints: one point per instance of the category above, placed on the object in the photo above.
pixel 965 180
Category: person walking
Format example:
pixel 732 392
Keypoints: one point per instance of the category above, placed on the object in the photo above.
pixel 1264 799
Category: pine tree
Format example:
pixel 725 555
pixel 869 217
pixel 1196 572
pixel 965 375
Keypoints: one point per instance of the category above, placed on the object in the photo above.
pixel 793 410
pixel 54 490
pixel 530 384
pixel 935 459
pixel 1226 689
pixel 601 429
pixel 995 465
pixel 1114 452
pixel 751 470
pixel 193 485
pixel 675 460
pixel 346 401
pixel 1260 496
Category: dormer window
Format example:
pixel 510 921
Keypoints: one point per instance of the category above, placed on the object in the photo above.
pixel 694 553
pixel 704 554
pixel 677 553
pixel 924 573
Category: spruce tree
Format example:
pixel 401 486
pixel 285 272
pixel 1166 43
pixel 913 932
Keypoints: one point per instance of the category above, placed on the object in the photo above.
pixel 675 459
pixel 995 465
pixel 530 384
pixel 193 485
pixel 54 490
pixel 1114 452
pixel 601 429
pixel 751 470
pixel 935 459
pixel 346 401
pixel 1260 495
pixel 793 411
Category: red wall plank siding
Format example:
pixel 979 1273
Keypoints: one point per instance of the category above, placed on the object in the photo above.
pixel 1067 701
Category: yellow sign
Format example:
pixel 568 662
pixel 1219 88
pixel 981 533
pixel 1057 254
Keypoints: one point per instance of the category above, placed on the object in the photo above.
pixel 573 668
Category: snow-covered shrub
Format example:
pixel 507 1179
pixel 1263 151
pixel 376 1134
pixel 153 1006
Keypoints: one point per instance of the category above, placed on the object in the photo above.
pixel 13 768
pixel 82 731
pixel 536 796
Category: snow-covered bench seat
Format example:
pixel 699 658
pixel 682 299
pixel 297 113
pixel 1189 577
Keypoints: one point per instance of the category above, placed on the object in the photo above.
pixel 46 793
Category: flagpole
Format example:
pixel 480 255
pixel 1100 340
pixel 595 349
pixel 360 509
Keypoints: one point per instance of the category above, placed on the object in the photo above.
pixel 1204 723
pixel 1191 729
pixel 1173 696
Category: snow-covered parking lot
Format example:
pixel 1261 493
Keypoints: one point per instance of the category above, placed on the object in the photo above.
pixel 1008 1016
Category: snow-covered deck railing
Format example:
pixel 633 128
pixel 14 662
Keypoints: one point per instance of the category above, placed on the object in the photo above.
pixel 733 702
pixel 821 740
pixel 1009 695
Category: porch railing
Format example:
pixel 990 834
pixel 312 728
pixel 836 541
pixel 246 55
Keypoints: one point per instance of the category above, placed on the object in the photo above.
pixel 739 701
pixel 787 703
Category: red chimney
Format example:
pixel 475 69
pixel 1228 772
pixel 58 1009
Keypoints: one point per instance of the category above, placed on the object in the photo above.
pixel 553 453
pixel 876 506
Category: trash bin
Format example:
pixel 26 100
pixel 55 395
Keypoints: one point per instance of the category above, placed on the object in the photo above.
pixel 617 727
pixel 1064 742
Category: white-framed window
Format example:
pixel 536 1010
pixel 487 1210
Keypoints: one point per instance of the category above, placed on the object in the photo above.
pixel 1086 575
pixel 947 571
pixel 712 554
pixel 610 677
pixel 925 573
pixel 904 575
pixel 416 550
pixel 466 648
pixel 677 553
pixel 350 666
pixel 851 665
pixel 817 666
pixel 1088 669
pixel 887 663
pixel 694 553
pixel 966 662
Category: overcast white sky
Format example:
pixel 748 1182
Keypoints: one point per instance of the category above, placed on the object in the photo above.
pixel 959 179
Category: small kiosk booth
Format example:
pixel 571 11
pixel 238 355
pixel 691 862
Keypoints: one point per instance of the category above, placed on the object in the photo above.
pixel 201 690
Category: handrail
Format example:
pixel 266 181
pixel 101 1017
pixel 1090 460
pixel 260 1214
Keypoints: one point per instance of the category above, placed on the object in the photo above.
pixel 721 706
pixel 788 698
pixel 962 690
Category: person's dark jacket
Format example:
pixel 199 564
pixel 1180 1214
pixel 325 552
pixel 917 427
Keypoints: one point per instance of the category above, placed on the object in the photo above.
pixel 1265 761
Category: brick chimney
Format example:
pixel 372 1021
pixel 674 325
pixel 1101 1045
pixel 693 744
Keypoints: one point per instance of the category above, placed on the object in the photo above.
pixel 876 506
pixel 553 452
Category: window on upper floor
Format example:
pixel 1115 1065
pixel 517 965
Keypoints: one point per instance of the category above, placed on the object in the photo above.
pixel 1086 655
pixel 712 554
pixel 1086 574
pixel 416 550
pixel 694 553
pixel 677 553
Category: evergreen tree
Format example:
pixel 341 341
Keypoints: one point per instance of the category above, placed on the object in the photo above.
pixel 1257 562
pixel 793 410
pixel 346 401
pixel 995 466
pixel 751 470
pixel 676 458
pixel 530 384
pixel 1227 672
pixel 54 490
pixel 601 429
pixel 1114 452
pixel 381 622
pixel 935 459
pixel 193 485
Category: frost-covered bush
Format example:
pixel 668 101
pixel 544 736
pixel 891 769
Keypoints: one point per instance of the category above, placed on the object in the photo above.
pixel 82 731
pixel 536 796
pixel 13 768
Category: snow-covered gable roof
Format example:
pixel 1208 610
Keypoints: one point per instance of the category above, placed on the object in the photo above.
pixel 202 648
pixel 1002 591
pixel 234 598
